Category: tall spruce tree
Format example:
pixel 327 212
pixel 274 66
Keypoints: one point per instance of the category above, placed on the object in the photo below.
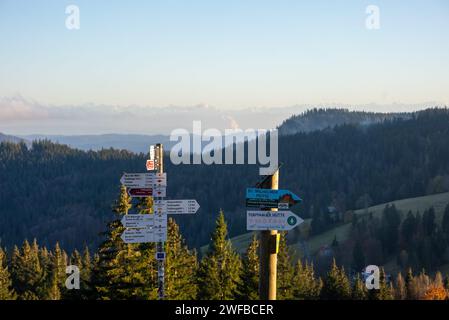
pixel 249 285
pixel 180 266
pixel 6 291
pixel 359 291
pixel 285 270
pixel 121 270
pixel 336 285
pixel 26 272
pixel 219 271
pixel 305 285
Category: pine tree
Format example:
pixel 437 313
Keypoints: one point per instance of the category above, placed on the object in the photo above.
pixel 384 292
pixel 26 272
pixel 121 271
pixel 6 291
pixel 359 291
pixel 411 286
pixel 219 271
pixel 305 285
pixel 285 270
pixel 180 266
pixel 249 288
pixel 401 288
pixel 336 284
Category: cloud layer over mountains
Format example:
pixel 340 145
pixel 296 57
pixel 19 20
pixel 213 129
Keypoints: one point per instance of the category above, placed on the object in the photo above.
pixel 24 116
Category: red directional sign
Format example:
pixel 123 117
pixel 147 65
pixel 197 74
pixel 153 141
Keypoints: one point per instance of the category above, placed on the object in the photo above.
pixel 147 192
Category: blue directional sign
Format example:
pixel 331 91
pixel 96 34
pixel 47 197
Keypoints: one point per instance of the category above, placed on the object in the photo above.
pixel 268 198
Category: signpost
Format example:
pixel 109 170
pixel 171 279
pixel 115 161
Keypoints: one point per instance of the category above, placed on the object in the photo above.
pixel 189 206
pixel 270 199
pixel 272 220
pixel 269 218
pixel 142 228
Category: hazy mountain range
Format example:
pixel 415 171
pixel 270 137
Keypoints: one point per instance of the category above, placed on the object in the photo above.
pixel 311 120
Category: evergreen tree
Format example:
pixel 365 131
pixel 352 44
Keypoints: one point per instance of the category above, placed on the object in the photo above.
pixel 249 285
pixel 305 285
pixel 336 284
pixel 122 272
pixel 180 266
pixel 384 292
pixel 285 270
pixel 411 286
pixel 6 292
pixel 401 288
pixel 219 271
pixel 359 291
pixel 26 272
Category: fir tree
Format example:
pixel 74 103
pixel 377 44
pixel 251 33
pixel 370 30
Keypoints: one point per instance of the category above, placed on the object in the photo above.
pixel 180 266
pixel 249 288
pixel 26 272
pixel 285 270
pixel 401 288
pixel 359 291
pixel 121 271
pixel 219 271
pixel 336 284
pixel 6 291
pixel 305 285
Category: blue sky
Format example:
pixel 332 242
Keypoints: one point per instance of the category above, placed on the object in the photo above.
pixel 229 54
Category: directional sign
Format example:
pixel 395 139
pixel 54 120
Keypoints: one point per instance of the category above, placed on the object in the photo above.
pixel 147 192
pixel 137 236
pixel 138 220
pixel 268 198
pixel 189 206
pixel 145 221
pixel 144 180
pixel 272 220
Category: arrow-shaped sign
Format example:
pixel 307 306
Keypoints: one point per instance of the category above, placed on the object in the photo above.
pixel 154 221
pixel 272 220
pixel 144 180
pixel 269 198
pixel 147 192
pixel 138 220
pixel 137 236
pixel 189 206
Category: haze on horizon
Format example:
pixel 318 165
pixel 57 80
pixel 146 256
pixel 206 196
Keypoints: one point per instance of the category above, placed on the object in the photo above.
pixel 236 56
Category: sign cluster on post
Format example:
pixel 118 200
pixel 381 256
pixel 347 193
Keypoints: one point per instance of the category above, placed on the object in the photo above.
pixel 265 199
pixel 142 228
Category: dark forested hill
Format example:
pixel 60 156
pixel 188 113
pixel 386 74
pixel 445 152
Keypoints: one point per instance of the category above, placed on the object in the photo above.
pixel 318 119
pixel 55 193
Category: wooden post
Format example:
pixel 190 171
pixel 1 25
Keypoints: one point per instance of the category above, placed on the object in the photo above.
pixel 268 251
pixel 159 157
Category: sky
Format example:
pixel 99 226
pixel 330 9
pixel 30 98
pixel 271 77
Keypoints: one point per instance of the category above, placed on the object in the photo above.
pixel 231 54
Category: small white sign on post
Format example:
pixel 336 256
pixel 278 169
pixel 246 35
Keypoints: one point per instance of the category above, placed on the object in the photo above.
pixel 272 220
pixel 189 206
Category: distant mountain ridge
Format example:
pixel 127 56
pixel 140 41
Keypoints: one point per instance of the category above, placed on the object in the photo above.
pixel 9 138
pixel 319 119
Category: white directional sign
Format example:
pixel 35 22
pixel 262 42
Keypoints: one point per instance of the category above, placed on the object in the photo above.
pixel 144 180
pixel 138 220
pixel 189 206
pixel 138 235
pixel 272 220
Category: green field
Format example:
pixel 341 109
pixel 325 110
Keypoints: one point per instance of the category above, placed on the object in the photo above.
pixel 438 201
